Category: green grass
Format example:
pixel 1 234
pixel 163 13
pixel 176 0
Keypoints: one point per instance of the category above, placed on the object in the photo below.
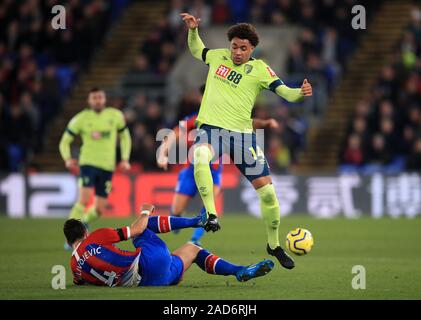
pixel 389 249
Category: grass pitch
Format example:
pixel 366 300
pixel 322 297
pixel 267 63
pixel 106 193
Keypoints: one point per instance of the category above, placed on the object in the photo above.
pixel 389 249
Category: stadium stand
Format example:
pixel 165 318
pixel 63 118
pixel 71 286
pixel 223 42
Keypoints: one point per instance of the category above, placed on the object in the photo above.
pixel 39 67
pixel 374 50
pixel 384 134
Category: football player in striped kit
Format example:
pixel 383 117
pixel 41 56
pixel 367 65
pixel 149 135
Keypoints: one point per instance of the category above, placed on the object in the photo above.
pixel 97 261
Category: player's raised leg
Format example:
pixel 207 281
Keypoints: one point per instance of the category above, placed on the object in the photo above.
pixel 212 264
pixel 203 155
pixel 199 232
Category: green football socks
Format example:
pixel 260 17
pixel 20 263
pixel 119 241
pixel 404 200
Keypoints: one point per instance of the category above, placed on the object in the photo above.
pixel 269 207
pixel 203 177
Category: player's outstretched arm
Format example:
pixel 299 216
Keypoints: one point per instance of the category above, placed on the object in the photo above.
pixel 297 94
pixel 194 42
pixel 141 223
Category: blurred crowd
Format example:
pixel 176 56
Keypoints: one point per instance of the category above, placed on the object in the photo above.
pixel 384 134
pixel 39 65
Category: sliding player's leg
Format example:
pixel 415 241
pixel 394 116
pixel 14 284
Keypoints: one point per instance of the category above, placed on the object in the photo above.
pixel 157 267
pixel 212 264
pixel 164 224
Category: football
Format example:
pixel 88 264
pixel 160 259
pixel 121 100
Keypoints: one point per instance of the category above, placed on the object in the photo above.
pixel 299 241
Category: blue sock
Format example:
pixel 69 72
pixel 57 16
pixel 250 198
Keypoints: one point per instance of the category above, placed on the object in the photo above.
pixel 163 224
pixel 203 211
pixel 176 231
pixel 214 265
pixel 197 234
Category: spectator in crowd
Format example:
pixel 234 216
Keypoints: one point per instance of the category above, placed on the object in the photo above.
pixel 19 135
pixel 378 154
pixel 141 67
pixel 220 12
pixel 391 138
pixel 414 157
pixel 353 154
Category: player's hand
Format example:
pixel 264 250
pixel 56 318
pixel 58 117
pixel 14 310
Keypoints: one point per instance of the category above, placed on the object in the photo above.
pixel 125 165
pixel 273 123
pixel 147 207
pixel 191 21
pixel 72 165
pixel 162 162
pixel 306 89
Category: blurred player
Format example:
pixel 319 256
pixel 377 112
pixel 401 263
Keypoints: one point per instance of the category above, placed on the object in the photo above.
pixel 234 81
pixel 98 127
pixel 97 261
pixel 186 187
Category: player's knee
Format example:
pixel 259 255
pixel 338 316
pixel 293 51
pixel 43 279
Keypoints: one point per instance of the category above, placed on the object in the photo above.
pixel 192 251
pixel 268 196
pixel 202 155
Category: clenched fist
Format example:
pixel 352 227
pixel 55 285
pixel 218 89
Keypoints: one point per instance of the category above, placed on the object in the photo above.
pixel 306 89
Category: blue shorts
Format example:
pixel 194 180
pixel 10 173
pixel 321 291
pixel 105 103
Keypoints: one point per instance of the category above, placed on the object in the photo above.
pixel 93 177
pixel 186 183
pixel 241 147
pixel 157 266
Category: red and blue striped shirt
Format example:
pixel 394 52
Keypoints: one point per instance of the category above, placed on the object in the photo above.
pixel 96 260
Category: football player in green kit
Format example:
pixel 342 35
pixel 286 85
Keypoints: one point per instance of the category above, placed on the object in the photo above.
pixel 98 126
pixel 234 81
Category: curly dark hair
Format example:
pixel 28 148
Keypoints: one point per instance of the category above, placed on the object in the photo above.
pixel 244 31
